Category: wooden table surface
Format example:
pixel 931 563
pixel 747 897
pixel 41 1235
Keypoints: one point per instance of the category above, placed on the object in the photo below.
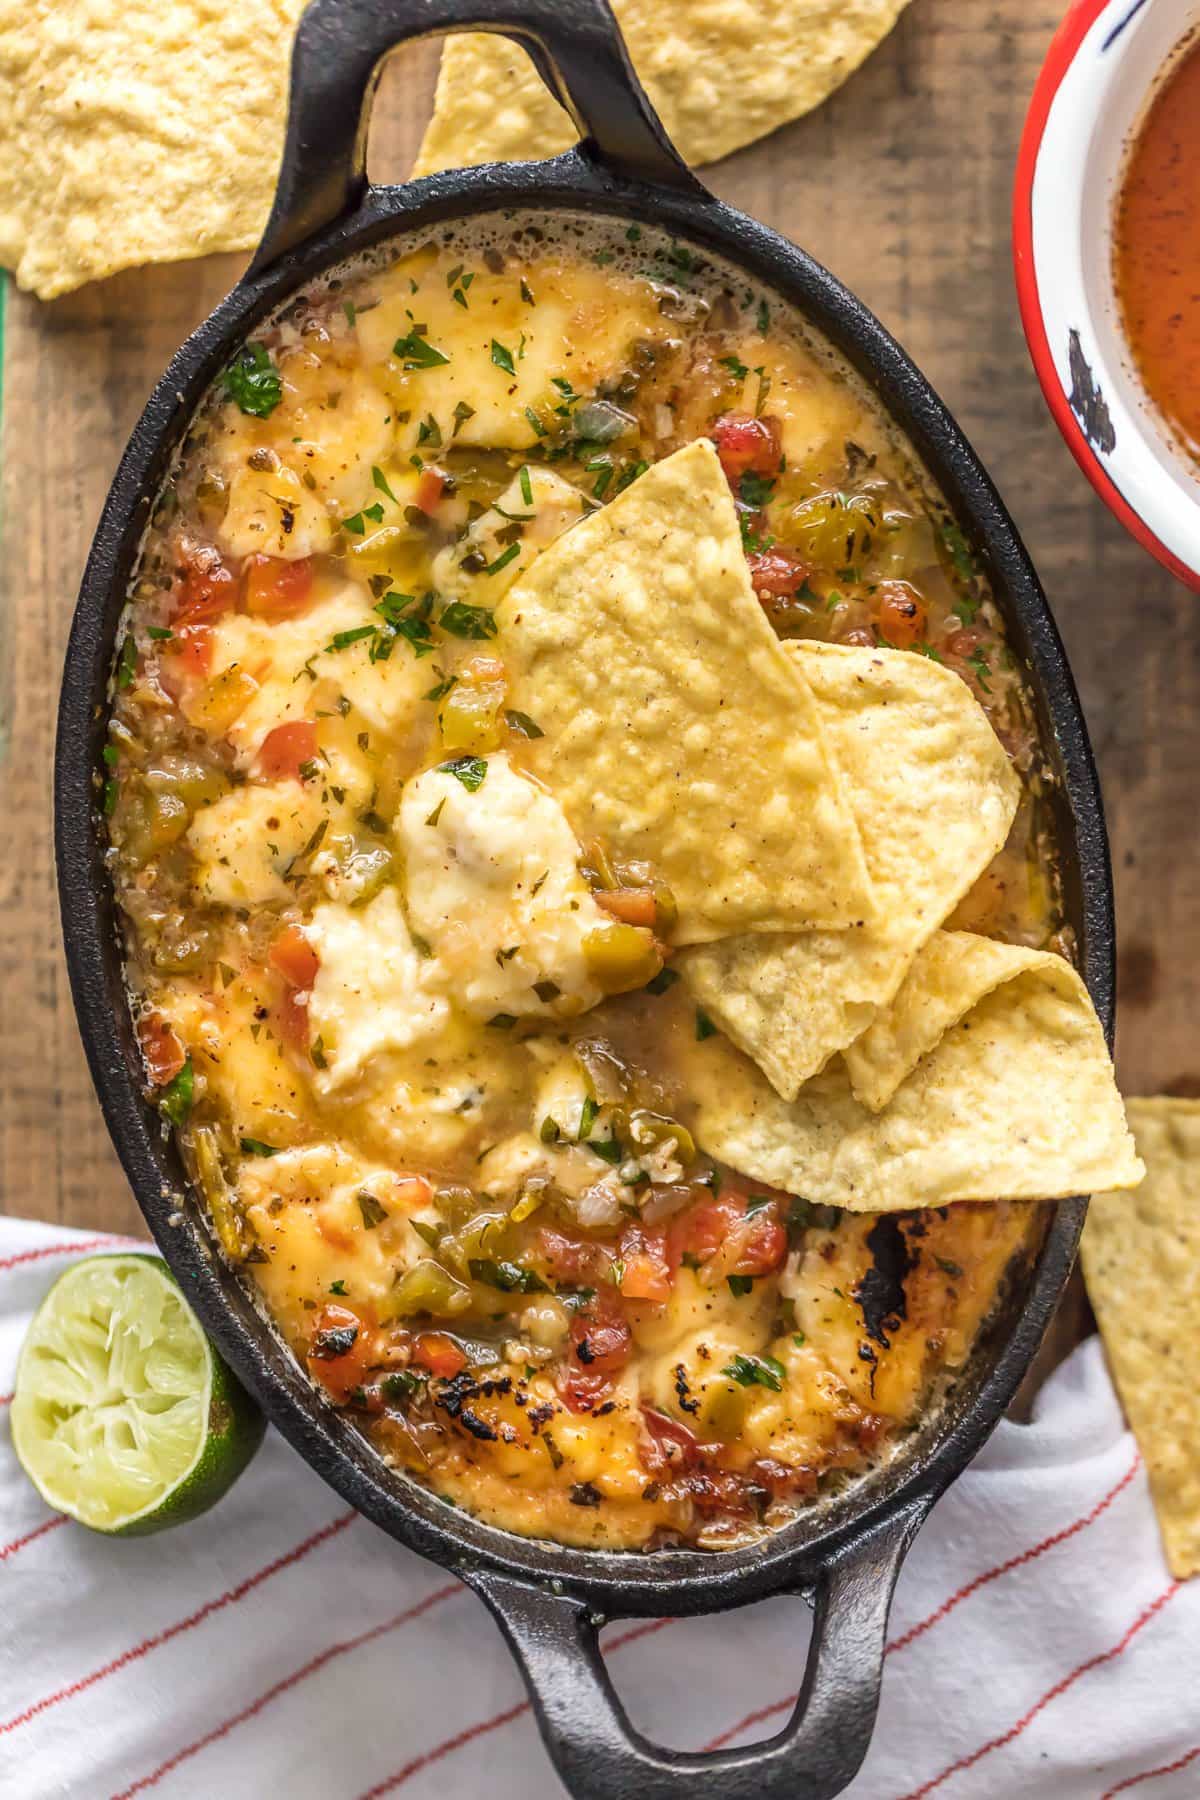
pixel 901 184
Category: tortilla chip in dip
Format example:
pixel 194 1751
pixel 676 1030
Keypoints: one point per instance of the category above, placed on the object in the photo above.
pixel 675 728
pixel 1016 1101
pixel 718 74
pixel 1141 1261
pixel 137 133
pixel 902 728
pixel 952 973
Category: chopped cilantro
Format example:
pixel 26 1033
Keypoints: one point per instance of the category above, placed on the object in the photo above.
pixel 464 621
pixel 979 663
pixel 549 1130
pixel 526 484
pixel 666 978
pixel 503 560
pixel 704 1025
pixel 522 723
pixel 462 412
pixel 337 1287
pixel 527 293
pixel 764 317
pixel 756 1203
pixel 416 352
pixel 509 1277
pixel 341 640
pixel 589 1113
pixel 256 1147
pixel 159 632
pixel 739 1284
pixel 380 481
pixel 755 490
pixel 929 651
pixel 761 1371
pixel 175 1101
pixel 502 1021
pixel 442 689
pixel 503 357
pixel 736 367
pixel 252 381
pixel 127 662
pixel 470 770
pixel 947 1267
pixel 436 814
pixel 539 430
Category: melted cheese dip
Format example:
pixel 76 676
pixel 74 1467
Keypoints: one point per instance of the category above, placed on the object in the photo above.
pixel 421 1045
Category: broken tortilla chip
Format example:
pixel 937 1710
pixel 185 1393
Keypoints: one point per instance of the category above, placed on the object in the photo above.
pixel 137 133
pixel 675 727
pixel 1141 1262
pixel 718 76
pixel 1017 1102
pixel 902 729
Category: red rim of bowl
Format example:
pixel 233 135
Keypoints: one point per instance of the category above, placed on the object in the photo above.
pixel 1061 54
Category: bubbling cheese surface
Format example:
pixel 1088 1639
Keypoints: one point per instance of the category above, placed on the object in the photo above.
pixel 419 1032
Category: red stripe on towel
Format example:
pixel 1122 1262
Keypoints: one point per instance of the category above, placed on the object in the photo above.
pixel 286 1684
pixel 229 1598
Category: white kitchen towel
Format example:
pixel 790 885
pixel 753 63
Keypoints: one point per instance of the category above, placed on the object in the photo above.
pixel 283 1646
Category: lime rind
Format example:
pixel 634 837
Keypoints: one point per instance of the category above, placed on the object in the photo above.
pixel 124 1416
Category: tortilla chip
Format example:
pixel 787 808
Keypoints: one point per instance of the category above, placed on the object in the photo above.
pixel 718 74
pixel 136 133
pixel 676 730
pixel 951 974
pixel 1141 1261
pixel 1017 1102
pixel 934 795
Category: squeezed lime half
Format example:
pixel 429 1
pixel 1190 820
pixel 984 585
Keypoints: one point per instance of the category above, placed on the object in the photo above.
pixel 123 1415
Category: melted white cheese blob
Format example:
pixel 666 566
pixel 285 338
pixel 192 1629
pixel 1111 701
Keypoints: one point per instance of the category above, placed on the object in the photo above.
pixel 494 888
pixel 371 995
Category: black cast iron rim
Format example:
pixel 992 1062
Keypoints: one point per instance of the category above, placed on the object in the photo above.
pixel 616 1584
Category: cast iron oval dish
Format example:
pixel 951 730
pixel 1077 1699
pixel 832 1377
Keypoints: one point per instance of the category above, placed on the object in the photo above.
pixel 549 1600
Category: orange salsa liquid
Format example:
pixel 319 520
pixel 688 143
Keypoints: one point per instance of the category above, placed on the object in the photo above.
pixel 1157 251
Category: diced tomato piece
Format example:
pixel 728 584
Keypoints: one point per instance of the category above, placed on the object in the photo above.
pixel 185 659
pixel 293 957
pixel 633 906
pixel 699 1232
pixel 645 1271
pixel 566 1259
pixel 207 589
pixel 429 490
pixel 776 574
pixel 273 588
pixel 286 748
pixel 162 1050
pixel 601 1339
pixel 903 615
pixel 745 445
pixel 670 1441
pixel 292 1018
pixel 411 1191
pixel 339 1352
pixel 764 1245
pixel 748 1245
pixel 438 1352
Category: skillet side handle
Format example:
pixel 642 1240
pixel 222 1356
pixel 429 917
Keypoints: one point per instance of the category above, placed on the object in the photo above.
pixel 341 46
pixel 599 1753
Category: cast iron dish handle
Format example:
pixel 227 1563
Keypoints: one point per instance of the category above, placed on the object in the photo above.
pixel 340 50
pixel 599 1753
